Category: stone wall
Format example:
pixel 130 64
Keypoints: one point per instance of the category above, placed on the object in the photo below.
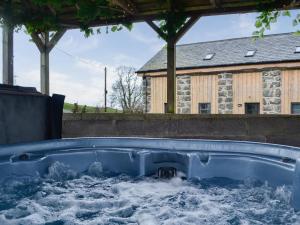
pixel 225 93
pixel 184 94
pixel 280 129
pixel 147 94
pixel 271 92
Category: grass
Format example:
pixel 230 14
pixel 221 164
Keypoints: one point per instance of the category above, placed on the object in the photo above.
pixel 68 107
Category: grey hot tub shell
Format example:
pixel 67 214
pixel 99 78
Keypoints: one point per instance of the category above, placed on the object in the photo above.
pixel 276 164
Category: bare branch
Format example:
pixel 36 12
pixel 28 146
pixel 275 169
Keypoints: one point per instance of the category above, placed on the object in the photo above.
pixel 127 90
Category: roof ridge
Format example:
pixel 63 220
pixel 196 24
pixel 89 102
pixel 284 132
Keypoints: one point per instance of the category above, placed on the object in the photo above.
pixel 232 39
pixel 278 47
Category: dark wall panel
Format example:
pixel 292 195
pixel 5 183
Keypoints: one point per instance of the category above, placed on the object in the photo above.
pixel 26 115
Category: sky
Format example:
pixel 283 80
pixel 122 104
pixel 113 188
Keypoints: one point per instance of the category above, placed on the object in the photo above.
pixel 77 63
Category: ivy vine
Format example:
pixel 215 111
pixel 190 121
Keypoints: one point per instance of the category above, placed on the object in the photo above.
pixel 87 11
pixel 270 11
pixel 47 17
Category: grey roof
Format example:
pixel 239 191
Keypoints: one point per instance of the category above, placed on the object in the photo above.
pixel 271 48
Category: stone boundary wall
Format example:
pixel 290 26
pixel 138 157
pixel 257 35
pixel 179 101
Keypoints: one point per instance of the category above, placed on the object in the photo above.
pixel 280 129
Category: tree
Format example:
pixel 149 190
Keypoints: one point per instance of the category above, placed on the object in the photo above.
pixel 83 110
pixel 127 91
pixel 75 108
pixel 97 109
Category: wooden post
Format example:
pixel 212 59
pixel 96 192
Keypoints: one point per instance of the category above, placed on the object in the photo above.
pixel 45 83
pixel 7 51
pixel 45 45
pixel 105 90
pixel 171 76
pixel 172 37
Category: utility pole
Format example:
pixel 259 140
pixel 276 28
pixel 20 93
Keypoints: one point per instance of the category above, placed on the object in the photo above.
pixel 105 90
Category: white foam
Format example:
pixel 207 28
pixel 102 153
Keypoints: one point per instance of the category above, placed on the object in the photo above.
pixel 59 171
pixel 91 200
pixel 96 169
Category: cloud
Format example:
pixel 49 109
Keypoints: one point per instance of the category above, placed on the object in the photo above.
pixel 95 72
pixel 84 91
pixel 125 60
pixel 153 42
pixel 79 44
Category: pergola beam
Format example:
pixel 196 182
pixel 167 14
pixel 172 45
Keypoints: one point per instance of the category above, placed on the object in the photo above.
pixel 156 28
pixel 45 45
pixel 182 31
pixel 45 69
pixel 7 53
pixel 57 36
pixel 127 5
pixel 216 3
pixel 140 11
pixel 171 57
pixel 38 41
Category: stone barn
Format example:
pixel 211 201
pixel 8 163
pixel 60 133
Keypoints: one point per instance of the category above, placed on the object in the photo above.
pixel 234 76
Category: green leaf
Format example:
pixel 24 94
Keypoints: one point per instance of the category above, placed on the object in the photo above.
pixel 286 13
pixel 114 28
pixel 295 22
pixel 258 24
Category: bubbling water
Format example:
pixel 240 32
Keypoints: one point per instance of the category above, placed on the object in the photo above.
pixel 65 197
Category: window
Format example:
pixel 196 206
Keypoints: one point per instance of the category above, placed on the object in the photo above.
pixel 297 50
pixel 295 108
pixel 204 108
pixel 209 56
pixel 252 108
pixel 250 53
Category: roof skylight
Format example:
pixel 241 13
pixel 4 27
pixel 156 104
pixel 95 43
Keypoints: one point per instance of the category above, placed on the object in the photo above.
pixel 209 56
pixel 250 53
pixel 297 50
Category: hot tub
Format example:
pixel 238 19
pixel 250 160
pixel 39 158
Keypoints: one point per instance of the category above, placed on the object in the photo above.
pixel 29 165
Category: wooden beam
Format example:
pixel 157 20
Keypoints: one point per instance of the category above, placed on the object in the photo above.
pixel 45 45
pixel 216 3
pixel 186 27
pixel 57 36
pixel 156 29
pixel 45 66
pixel 171 69
pixel 171 77
pixel 8 58
pixel 171 57
pixel 53 11
pixel 38 41
pixel 147 10
pixel 127 5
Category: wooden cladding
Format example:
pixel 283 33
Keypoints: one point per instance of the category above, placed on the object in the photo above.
pixel 204 89
pixel 290 89
pixel 247 87
pixel 158 94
